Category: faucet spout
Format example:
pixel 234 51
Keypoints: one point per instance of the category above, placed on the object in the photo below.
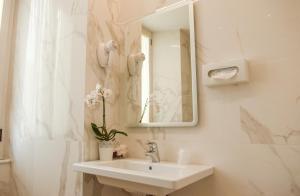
pixel 152 152
pixel 154 158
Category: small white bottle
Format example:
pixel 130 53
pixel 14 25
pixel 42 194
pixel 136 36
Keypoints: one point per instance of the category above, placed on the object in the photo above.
pixel 1 145
pixel 184 157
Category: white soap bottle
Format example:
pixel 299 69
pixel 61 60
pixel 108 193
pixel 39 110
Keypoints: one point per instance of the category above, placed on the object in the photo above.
pixel 184 157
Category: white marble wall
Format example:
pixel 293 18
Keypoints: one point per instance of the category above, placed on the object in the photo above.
pixel 5 178
pixel 102 27
pixel 46 101
pixel 249 132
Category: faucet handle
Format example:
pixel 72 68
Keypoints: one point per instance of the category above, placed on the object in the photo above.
pixel 150 142
pixel 152 146
pixel 149 146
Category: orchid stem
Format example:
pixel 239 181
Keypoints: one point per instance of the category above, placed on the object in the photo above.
pixel 103 115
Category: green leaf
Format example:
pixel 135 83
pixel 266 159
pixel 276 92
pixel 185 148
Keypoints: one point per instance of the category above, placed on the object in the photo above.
pixel 121 132
pixel 96 130
pixel 100 138
pixel 113 133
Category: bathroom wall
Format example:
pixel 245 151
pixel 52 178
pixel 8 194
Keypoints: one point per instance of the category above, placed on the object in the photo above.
pixel 249 132
pixel 5 178
pixel 102 27
pixel 6 29
pixel 46 96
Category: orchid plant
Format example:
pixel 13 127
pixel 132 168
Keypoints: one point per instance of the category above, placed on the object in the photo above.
pixel 93 99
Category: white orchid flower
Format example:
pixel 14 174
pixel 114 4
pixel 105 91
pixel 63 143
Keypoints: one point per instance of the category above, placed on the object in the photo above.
pixel 99 89
pixel 89 100
pixel 98 86
pixel 95 96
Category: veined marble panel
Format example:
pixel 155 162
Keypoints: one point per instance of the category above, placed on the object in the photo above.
pixel 249 132
pixel 5 178
pixel 102 27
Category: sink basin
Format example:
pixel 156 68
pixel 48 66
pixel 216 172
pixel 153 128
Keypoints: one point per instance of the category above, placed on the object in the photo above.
pixel 143 176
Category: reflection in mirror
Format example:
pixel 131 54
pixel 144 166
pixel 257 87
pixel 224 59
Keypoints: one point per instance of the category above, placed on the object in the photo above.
pixel 161 89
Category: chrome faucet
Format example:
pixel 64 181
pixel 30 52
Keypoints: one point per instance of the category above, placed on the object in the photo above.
pixel 152 152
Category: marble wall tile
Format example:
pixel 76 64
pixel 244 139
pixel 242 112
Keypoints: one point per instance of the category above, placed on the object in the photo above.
pixel 5 179
pixel 102 27
pixel 249 132
pixel 258 133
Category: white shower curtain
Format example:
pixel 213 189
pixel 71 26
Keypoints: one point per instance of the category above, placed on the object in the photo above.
pixel 47 96
pixel 43 73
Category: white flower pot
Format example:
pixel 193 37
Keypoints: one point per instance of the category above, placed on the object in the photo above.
pixel 106 150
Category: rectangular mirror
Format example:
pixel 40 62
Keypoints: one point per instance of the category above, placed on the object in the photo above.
pixel 162 87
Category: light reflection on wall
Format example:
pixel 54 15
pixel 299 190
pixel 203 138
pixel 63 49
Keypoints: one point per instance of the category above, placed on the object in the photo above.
pixel 145 42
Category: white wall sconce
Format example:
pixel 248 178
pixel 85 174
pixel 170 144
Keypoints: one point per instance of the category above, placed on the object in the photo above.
pixel 105 52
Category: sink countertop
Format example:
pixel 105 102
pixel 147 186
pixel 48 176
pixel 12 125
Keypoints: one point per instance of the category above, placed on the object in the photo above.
pixel 163 174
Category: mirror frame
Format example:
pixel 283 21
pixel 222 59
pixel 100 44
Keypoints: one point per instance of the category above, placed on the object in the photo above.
pixel 190 5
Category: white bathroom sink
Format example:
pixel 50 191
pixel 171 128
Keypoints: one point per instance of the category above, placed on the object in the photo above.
pixel 143 176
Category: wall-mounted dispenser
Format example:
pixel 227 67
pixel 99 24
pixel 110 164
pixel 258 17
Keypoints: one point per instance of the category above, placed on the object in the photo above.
pixel 107 56
pixel 230 72
pixel 105 52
